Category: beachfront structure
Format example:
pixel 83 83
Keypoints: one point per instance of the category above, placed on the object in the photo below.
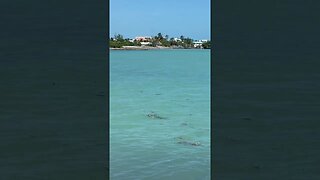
pixel 143 38
pixel 198 43
pixel 177 39
pixel 145 43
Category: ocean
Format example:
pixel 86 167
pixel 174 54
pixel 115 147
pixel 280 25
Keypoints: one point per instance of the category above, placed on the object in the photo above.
pixel 160 115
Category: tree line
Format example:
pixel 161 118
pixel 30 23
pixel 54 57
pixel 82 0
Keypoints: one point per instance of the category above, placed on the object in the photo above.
pixel 119 41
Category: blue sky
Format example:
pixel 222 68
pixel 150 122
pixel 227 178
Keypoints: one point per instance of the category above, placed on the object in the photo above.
pixel 132 18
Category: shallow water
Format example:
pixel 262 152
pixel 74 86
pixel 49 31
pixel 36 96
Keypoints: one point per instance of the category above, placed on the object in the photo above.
pixel 175 85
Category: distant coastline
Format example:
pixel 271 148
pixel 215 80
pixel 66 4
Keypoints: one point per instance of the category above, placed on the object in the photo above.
pixel 118 42
pixel 139 48
pixel 146 48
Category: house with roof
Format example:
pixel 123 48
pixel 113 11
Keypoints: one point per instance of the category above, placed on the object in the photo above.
pixel 143 38
pixel 198 43
pixel 177 39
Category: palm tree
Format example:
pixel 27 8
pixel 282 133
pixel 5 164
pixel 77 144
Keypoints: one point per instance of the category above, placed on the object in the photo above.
pixel 118 37
pixel 160 36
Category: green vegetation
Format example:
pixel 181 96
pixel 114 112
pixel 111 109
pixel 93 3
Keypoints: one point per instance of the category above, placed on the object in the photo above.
pixel 166 42
pixel 206 45
pixel 118 41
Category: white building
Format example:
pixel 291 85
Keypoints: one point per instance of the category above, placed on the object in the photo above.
pixel 197 44
pixel 145 43
pixel 143 38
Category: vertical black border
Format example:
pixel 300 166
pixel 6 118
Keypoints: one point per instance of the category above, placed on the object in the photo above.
pixel 40 103
pixel 278 42
pixel 211 85
pixel 107 84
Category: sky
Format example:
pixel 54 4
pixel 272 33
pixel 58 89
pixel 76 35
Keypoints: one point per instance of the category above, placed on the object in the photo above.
pixel 131 18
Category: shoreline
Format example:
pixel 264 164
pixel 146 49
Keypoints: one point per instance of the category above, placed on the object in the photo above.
pixel 147 48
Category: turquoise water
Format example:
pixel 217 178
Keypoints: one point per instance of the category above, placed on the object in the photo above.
pixel 174 85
